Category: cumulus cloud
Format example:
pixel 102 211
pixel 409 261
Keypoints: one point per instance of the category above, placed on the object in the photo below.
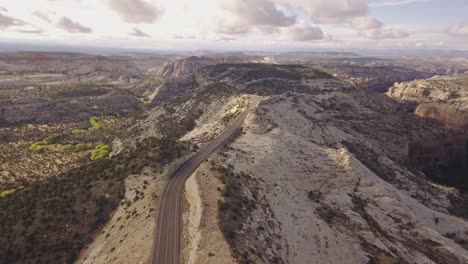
pixel 366 23
pixel 244 16
pixel 330 11
pixel 373 28
pixel 177 36
pixel 223 39
pixel 392 33
pixel 231 29
pixel 30 31
pixel 135 11
pixel 396 3
pixel 7 21
pixel 138 33
pixel 460 29
pixel 302 33
pixel 259 12
pixel 41 15
pixel 73 27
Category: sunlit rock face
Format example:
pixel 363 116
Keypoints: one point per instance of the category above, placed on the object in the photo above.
pixel 444 99
pixel 450 115
pixel 184 67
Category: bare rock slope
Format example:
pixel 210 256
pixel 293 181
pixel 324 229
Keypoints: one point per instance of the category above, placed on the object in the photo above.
pixel 186 66
pixel 319 177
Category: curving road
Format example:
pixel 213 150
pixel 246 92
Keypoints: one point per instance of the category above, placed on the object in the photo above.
pixel 166 249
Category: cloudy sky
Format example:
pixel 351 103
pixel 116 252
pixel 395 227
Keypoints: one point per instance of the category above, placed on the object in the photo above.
pixel 238 24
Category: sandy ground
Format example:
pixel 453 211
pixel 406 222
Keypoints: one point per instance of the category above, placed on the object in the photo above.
pixel 206 243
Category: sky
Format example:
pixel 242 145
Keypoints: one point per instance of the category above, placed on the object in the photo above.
pixel 267 25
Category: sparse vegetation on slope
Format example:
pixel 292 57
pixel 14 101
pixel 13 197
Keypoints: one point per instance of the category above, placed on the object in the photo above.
pixel 101 151
pixel 74 205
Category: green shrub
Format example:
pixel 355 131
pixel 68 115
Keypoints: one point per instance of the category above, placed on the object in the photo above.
pixel 79 131
pixel 50 139
pixel 42 146
pixel 95 125
pixel 7 192
pixel 65 147
pixel 38 146
pixel 101 151
pixel 83 146
pixel 45 144
pixel 48 144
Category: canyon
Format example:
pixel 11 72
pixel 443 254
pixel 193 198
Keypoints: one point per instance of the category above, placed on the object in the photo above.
pixel 327 168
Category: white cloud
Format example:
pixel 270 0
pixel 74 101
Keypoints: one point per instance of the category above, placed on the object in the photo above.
pixel 330 11
pixel 72 27
pixel 302 33
pixel 135 11
pixel 8 21
pixel 259 12
pixel 30 31
pixel 42 16
pixel 235 23
pixel 460 29
pixel 390 3
pixel 372 28
pixel 392 33
pixel 138 33
pixel 366 23
pixel 244 16
pixel 231 29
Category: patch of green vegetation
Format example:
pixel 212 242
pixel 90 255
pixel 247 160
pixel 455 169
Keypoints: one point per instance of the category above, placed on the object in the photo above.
pixel 95 125
pixel 48 144
pixel 10 192
pixel 79 132
pixel 7 192
pixel 83 146
pixel 101 151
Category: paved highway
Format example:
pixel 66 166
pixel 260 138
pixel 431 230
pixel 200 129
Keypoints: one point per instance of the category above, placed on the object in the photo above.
pixel 166 249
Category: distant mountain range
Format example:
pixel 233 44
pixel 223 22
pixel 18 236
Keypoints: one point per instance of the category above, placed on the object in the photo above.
pixel 95 49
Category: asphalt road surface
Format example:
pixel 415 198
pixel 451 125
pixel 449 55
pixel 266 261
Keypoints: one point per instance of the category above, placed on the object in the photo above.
pixel 166 249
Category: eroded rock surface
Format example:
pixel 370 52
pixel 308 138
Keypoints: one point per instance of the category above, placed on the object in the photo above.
pixel 443 98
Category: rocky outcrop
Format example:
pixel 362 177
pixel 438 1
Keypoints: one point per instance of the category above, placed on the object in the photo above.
pixel 444 99
pixel 450 115
pixel 184 67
